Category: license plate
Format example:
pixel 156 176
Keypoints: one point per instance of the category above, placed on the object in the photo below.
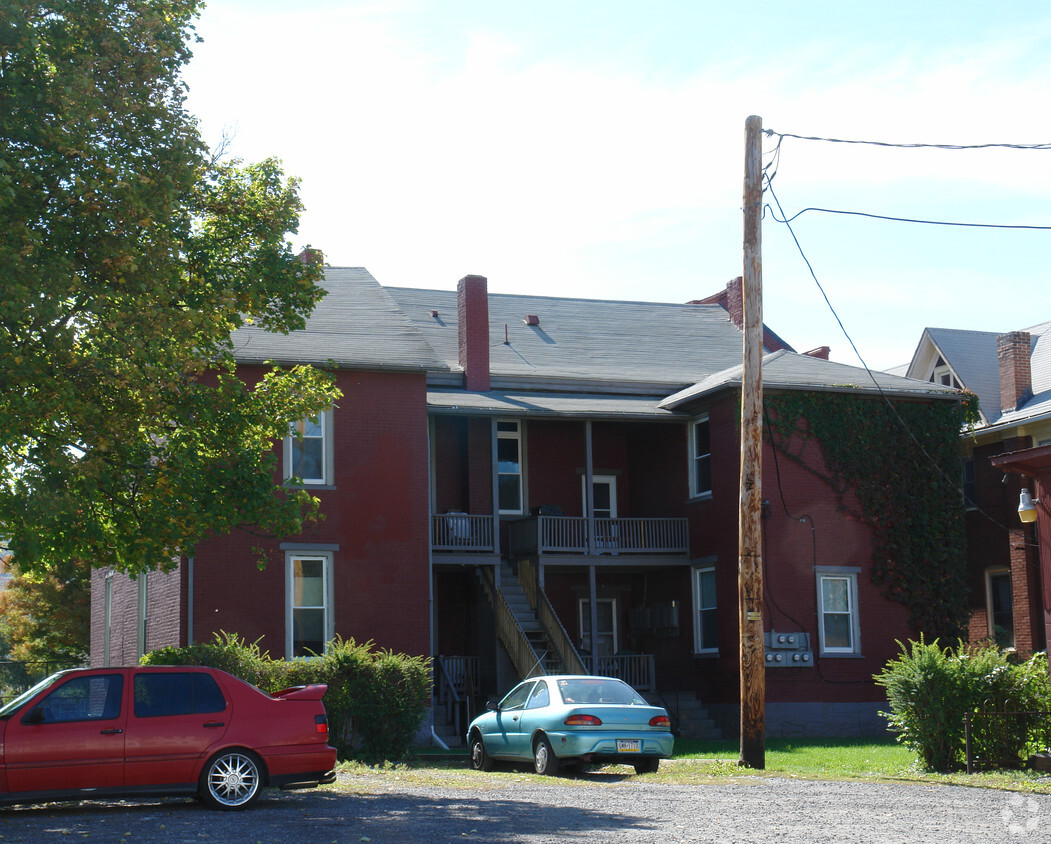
pixel 628 746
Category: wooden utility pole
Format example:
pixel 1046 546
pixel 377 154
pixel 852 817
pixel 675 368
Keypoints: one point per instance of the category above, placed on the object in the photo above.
pixel 750 557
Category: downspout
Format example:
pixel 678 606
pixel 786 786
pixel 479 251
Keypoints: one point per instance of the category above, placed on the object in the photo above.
pixel 589 498
pixel 189 600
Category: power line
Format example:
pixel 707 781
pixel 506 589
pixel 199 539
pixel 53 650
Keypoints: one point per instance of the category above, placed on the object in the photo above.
pixel 901 422
pixel 779 135
pixel 911 220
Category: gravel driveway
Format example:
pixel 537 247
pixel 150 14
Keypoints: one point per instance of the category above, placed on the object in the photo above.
pixel 596 808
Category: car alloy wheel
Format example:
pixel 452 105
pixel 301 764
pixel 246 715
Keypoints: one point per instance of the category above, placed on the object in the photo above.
pixel 480 760
pixel 544 759
pixel 232 780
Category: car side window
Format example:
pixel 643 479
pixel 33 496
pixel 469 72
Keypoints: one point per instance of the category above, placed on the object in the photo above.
pixel 517 697
pixel 94 698
pixel 176 693
pixel 540 697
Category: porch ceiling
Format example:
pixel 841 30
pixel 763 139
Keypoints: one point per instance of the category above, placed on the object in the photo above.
pixel 550 404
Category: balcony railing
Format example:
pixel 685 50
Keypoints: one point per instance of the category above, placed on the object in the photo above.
pixel 461 532
pixel 637 670
pixel 569 535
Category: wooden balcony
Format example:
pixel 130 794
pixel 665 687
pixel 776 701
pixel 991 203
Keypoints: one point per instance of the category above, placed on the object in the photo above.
pixel 462 532
pixel 540 534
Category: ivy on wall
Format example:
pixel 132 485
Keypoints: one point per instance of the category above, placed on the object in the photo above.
pixel 901 461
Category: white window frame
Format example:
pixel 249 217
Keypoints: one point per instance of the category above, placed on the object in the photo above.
pixel 696 457
pixel 849 574
pixel 585 628
pixel 107 618
pixel 142 618
pixel 990 573
pixel 515 435
pixel 699 646
pixel 943 375
pixel 600 480
pixel 290 607
pixel 327 460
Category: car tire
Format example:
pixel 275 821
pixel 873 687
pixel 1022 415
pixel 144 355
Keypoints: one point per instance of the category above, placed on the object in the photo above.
pixel 231 780
pixel 647 766
pixel 480 760
pixel 544 760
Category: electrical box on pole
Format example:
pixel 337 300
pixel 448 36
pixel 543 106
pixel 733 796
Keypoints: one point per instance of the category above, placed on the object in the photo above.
pixel 750 561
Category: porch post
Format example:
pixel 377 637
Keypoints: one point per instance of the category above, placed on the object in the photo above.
pixel 494 462
pixel 589 499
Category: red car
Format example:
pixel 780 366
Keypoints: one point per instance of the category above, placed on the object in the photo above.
pixel 160 730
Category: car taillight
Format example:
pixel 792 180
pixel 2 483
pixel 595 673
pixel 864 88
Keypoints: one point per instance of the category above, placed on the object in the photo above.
pixel 583 721
pixel 660 721
pixel 321 724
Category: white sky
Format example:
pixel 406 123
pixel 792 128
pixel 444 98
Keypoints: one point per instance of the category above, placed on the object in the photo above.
pixel 595 148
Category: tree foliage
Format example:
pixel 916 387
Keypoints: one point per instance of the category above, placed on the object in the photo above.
pixel 127 257
pixel 46 617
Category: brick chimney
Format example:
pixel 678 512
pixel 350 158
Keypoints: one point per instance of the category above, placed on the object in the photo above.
pixel 310 255
pixel 1016 376
pixel 821 352
pixel 472 305
pixel 731 299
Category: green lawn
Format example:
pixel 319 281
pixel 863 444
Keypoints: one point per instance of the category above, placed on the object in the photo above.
pixel 833 759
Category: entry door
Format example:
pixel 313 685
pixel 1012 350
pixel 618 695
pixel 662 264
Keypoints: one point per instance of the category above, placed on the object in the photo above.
pixel 604 488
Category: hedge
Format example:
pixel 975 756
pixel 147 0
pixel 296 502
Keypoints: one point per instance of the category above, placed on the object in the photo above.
pixel 376 699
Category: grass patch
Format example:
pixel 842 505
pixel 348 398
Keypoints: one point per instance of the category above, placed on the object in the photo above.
pixel 700 762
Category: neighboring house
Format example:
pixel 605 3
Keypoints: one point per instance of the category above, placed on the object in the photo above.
pixel 515 483
pixel 1011 375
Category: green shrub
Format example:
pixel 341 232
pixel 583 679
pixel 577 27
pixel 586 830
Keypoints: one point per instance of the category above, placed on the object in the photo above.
pixel 376 699
pixel 931 688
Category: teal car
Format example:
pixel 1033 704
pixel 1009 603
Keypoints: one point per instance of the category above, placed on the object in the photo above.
pixel 562 719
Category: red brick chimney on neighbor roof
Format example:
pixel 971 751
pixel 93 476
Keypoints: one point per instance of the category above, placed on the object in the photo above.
pixel 472 305
pixel 1016 374
pixel 731 299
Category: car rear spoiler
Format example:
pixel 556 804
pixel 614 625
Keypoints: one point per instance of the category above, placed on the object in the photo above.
pixel 314 692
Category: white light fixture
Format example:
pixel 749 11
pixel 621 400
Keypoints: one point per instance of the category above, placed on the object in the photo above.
pixel 1027 507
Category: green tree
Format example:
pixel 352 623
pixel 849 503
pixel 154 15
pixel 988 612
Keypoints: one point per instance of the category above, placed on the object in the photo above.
pixel 127 256
pixel 47 618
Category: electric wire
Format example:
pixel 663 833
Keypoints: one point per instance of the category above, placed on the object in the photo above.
pixel 887 144
pixel 895 219
pixel 955 484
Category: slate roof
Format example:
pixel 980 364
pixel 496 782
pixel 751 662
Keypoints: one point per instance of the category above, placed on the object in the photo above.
pixel 357 325
pixel 584 357
pixel 784 370
pixel 973 357
pixel 645 343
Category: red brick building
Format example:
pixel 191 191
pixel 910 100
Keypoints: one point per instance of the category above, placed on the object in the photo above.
pixel 514 483
pixel 1010 588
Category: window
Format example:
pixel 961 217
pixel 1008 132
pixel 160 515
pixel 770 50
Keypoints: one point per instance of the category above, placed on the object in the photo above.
pixel 509 465
pixel 970 485
pixel 700 457
pixel 308 450
pixel 93 698
pixel 943 375
pixel 999 607
pixel 837 602
pixel 540 696
pixel 107 619
pixel 706 630
pixel 309 604
pixel 176 693
pixel 606 627
pixel 143 617
pixel 517 697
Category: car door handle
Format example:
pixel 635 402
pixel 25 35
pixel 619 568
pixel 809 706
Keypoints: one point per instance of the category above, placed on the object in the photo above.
pixel 111 731
pixel 214 724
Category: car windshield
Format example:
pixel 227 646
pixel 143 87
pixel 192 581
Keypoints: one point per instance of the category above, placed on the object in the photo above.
pixel 598 690
pixel 15 704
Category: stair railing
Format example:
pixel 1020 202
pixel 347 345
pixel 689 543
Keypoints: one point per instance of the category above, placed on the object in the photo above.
pixel 509 631
pixel 549 620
